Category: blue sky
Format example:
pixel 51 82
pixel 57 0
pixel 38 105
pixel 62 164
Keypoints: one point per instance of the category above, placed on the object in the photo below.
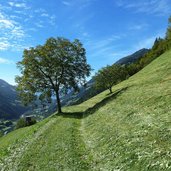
pixel 108 29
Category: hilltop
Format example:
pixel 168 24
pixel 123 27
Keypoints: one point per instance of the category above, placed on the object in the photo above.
pixel 127 130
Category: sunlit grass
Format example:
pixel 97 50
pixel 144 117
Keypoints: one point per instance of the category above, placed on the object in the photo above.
pixel 127 130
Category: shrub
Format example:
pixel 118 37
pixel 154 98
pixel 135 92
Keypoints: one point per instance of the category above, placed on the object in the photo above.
pixel 1 134
pixel 23 123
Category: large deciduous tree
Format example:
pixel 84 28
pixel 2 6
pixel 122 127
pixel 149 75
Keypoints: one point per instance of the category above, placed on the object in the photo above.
pixel 52 69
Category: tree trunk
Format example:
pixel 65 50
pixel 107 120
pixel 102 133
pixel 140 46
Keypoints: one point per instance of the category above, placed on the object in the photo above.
pixel 58 102
pixel 110 89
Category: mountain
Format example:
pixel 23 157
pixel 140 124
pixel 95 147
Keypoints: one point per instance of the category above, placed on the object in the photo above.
pixel 127 130
pixel 133 57
pixel 10 106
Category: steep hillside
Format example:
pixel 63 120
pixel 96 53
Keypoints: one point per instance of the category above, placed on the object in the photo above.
pixel 10 106
pixel 129 130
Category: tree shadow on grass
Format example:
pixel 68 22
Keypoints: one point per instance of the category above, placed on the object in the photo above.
pixel 93 109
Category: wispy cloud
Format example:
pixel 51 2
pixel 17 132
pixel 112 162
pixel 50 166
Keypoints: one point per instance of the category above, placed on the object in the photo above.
pixel 147 42
pixel 103 43
pixel 4 45
pixel 5 61
pixel 155 7
pixel 66 3
pixel 10 30
pixel 138 27
pixel 48 18
pixel 80 4
pixel 15 16
pixel 45 15
pixel 18 5
pixel 39 24
pixel 104 50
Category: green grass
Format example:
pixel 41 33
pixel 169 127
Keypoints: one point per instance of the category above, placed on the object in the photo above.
pixel 128 130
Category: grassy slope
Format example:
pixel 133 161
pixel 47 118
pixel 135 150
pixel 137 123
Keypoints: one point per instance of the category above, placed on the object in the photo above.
pixel 129 130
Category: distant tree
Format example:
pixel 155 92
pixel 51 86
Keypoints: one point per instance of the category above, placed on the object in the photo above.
pixel 23 123
pixel 1 134
pixel 109 76
pixel 52 69
pixel 168 34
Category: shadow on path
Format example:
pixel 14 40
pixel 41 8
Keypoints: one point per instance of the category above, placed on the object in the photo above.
pixel 93 109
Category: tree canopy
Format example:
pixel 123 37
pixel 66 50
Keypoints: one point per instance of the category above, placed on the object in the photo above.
pixel 51 69
pixel 108 76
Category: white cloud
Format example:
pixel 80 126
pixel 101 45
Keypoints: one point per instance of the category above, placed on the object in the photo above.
pixel 4 45
pixel 52 20
pixel 5 23
pixel 10 30
pixel 18 32
pixel 18 5
pixel 6 61
pixel 45 15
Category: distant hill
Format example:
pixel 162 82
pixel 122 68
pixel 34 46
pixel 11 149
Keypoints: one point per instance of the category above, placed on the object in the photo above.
pixel 10 106
pixel 133 57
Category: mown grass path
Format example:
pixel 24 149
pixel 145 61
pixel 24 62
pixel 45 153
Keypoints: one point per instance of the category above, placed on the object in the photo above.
pixel 58 146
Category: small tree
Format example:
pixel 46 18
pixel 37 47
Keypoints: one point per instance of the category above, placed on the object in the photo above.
pixel 1 134
pixel 168 34
pixel 52 69
pixel 108 76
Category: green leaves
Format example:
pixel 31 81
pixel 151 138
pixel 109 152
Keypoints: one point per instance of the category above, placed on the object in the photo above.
pixel 56 65
pixel 109 76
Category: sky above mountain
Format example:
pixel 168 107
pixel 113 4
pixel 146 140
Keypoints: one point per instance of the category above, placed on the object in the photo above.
pixel 108 29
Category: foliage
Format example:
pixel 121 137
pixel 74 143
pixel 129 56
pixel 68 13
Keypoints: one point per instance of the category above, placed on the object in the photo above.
pixel 108 76
pixel 51 69
pixel 168 34
pixel 1 134
pixel 23 123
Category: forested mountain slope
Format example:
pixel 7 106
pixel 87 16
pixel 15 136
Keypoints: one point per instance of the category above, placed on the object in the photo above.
pixel 133 57
pixel 127 130
pixel 10 105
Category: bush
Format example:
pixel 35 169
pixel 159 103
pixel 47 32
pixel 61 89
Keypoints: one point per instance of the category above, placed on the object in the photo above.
pixel 23 123
pixel 1 134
